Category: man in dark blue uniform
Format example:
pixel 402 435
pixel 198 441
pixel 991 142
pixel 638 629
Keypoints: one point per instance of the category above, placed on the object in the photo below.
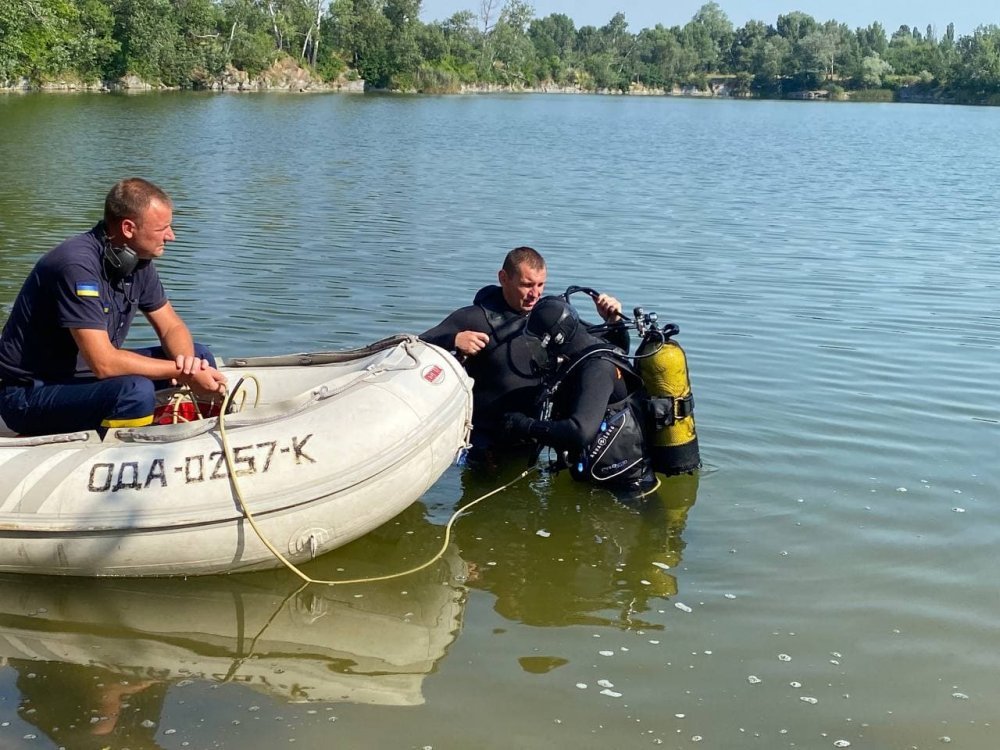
pixel 62 365
pixel 487 334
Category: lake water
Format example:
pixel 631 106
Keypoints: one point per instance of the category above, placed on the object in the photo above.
pixel 829 578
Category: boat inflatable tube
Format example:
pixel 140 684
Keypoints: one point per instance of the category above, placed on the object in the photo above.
pixel 673 440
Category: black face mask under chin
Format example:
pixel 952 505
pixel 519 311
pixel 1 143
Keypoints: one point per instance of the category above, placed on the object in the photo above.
pixel 539 354
pixel 545 363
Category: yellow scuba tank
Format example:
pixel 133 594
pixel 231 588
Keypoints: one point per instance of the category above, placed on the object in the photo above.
pixel 662 364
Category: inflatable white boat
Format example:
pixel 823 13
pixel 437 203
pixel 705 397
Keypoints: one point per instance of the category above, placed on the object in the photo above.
pixel 326 447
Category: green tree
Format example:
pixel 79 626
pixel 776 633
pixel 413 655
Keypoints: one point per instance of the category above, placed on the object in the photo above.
pixel 978 72
pixel 817 52
pixel 664 61
pixel 464 38
pixel 38 39
pixel 94 48
pixel 202 53
pixel 402 50
pixel 830 50
pixel 553 36
pixel 589 41
pixel 948 54
pixel 513 52
pixel 621 52
pixel 770 60
pixel 449 52
pixel 312 43
pixel 910 54
pixel 247 42
pixel 872 40
pixel 432 42
pixel 147 33
pixel 660 56
pixel 361 32
pixel 795 26
pixel 14 19
pixel 745 41
pixel 873 71
pixel 554 41
pixel 709 34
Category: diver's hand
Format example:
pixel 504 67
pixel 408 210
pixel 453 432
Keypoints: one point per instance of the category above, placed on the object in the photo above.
pixel 517 424
pixel 609 308
pixel 470 342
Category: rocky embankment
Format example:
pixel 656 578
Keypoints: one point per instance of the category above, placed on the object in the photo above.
pixel 721 87
pixel 283 75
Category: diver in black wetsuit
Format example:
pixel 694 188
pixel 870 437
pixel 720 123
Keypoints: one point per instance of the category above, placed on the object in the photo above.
pixel 597 419
pixel 487 334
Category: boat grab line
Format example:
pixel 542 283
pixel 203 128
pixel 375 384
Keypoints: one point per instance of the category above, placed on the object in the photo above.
pixel 231 465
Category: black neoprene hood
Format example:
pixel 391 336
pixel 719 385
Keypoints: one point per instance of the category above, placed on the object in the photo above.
pixel 553 322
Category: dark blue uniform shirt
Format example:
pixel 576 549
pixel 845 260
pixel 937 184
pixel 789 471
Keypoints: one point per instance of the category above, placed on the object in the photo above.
pixel 70 288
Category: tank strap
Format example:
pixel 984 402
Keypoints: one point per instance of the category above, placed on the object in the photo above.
pixel 665 410
pixel 684 407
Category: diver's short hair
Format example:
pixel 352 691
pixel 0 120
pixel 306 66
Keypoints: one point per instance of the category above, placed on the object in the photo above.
pixel 523 256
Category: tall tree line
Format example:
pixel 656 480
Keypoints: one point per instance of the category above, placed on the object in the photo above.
pixel 189 43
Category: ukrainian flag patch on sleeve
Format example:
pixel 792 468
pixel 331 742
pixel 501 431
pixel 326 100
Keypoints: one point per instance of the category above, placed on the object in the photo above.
pixel 87 289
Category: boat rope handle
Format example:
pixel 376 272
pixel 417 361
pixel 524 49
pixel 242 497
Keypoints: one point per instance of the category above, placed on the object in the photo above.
pixel 322 393
pixel 237 492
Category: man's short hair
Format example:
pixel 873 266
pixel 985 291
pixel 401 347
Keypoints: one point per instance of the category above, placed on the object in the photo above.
pixel 129 198
pixel 523 256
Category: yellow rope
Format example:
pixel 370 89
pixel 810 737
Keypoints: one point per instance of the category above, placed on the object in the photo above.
pixel 230 465
pixel 654 488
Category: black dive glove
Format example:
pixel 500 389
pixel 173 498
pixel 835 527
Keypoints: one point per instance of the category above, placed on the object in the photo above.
pixel 517 424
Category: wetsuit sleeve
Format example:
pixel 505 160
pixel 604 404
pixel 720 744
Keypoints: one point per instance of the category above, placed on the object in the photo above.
pixel 469 318
pixel 151 294
pixel 596 385
pixel 77 292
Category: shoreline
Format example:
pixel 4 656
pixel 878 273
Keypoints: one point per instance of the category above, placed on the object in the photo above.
pixel 884 96
pixel 285 78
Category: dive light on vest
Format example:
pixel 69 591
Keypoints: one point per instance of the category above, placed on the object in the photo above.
pixel 663 366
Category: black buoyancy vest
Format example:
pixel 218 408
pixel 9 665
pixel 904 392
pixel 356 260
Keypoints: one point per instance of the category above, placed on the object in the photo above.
pixel 618 454
pixel 504 323
pixel 502 370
